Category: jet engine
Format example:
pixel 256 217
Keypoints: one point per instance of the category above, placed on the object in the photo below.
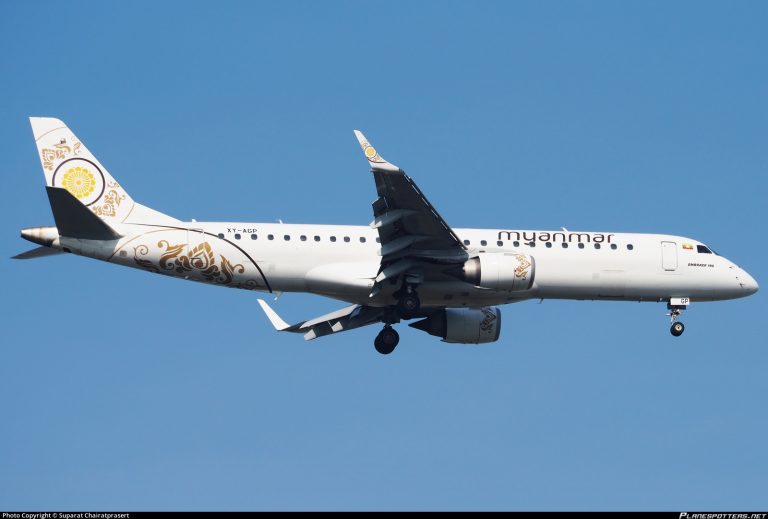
pixel 500 271
pixel 463 325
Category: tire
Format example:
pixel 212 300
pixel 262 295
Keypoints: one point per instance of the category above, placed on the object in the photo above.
pixel 386 341
pixel 677 329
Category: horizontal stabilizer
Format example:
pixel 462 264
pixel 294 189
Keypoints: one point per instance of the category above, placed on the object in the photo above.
pixel 38 252
pixel 74 220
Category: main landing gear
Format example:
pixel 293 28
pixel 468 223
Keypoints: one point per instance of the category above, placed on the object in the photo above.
pixel 408 303
pixel 408 306
pixel 676 306
pixel 386 341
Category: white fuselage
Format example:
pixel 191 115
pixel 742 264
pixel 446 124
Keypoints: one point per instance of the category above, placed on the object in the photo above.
pixel 342 262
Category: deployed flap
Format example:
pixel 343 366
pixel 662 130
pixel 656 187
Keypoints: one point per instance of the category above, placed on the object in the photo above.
pixel 74 220
pixel 347 318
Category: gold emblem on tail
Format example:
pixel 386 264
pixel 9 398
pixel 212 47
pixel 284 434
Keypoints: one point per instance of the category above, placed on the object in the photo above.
pixel 79 182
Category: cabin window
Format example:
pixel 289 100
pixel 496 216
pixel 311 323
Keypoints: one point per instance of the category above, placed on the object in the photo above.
pixel 565 245
pixel 221 235
pixel 333 238
pixel 362 239
pixel 270 236
pixel 303 238
pixel 237 236
pixel 499 243
pixel 531 243
pixel 613 246
pixel 549 244
pixel 516 243
pixel 483 243
pixel 346 239
pixel 287 237
pixel 581 245
pixel 630 246
pixel 597 245
pixel 701 249
pixel 253 236
pixel 466 242
pixel 378 240
pixel 317 238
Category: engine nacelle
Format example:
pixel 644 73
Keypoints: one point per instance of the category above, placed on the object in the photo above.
pixel 463 325
pixel 500 271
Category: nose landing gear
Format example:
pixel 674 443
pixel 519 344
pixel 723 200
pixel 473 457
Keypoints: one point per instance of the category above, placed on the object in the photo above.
pixel 676 306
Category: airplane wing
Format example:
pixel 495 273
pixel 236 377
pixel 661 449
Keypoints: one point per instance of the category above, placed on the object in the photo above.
pixel 347 318
pixel 404 217
pixel 411 230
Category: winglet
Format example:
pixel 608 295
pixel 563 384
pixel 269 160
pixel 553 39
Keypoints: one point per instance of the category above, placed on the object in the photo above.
pixel 278 323
pixel 376 160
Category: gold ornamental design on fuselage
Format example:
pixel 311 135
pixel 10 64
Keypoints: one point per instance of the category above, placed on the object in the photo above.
pixel 199 261
pixel 79 182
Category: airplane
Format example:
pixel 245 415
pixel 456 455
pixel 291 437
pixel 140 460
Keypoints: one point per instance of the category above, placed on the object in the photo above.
pixel 407 264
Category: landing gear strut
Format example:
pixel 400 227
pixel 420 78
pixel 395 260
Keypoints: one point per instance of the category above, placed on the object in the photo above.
pixel 676 307
pixel 409 303
pixel 386 341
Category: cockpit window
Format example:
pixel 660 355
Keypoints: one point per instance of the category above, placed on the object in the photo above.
pixel 701 249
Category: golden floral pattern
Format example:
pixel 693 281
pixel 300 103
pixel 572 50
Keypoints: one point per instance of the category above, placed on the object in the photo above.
pixel 111 202
pixel 370 152
pixel 199 261
pixel 79 181
pixel 58 152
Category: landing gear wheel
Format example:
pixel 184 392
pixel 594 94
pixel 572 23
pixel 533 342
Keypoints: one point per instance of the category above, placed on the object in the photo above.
pixel 675 310
pixel 409 304
pixel 677 329
pixel 386 341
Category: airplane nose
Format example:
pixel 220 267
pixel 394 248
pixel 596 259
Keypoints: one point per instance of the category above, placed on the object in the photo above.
pixel 748 282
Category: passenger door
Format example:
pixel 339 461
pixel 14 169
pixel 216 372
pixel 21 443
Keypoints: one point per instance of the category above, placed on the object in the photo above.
pixel 669 255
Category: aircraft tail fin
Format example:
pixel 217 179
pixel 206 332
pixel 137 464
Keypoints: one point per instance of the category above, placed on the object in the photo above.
pixel 70 166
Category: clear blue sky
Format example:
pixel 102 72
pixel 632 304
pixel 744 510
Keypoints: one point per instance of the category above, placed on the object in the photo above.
pixel 123 390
